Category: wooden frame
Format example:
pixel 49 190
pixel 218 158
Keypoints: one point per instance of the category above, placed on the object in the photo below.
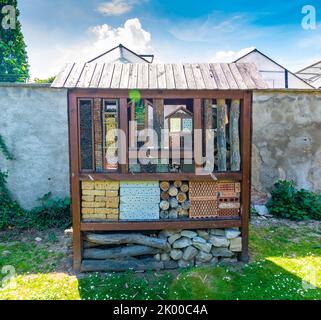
pixel 77 176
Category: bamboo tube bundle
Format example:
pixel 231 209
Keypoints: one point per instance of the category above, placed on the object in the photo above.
pixel 164 185
pixel 173 214
pixel 163 214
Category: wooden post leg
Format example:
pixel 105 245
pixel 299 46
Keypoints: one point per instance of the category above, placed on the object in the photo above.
pixel 74 180
pixel 246 173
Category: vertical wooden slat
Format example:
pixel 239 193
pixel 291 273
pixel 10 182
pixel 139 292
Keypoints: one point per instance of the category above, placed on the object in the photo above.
pixel 197 105
pixel 209 130
pixel 74 180
pixel 133 69
pixel 246 115
pixel 123 141
pixel 158 119
pixel 161 77
pixel 221 134
pixel 98 134
pixel 235 135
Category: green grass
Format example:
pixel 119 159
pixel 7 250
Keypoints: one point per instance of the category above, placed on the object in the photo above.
pixel 282 258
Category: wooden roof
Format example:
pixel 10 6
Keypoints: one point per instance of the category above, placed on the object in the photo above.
pixel 196 76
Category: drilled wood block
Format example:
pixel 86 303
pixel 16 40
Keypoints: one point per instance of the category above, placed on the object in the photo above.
pixel 140 192
pixel 113 216
pixel 138 199
pixel 139 212
pixel 139 184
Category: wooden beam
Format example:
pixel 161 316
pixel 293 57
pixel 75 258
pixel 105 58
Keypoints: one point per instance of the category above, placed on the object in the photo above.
pixel 74 180
pixel 221 133
pixel 235 135
pixel 237 176
pixel 160 94
pixel 209 133
pixel 246 142
pixel 160 225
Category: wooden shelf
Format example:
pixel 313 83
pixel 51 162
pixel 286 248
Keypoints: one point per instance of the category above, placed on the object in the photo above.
pixel 162 224
pixel 236 176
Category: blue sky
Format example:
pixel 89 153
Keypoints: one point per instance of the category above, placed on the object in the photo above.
pixel 58 31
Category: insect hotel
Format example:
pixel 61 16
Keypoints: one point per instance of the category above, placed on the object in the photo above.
pixel 160 160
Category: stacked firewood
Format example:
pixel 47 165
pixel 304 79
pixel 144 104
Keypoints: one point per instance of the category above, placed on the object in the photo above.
pixel 174 200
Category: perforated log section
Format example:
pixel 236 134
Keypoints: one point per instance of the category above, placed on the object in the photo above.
pixel 214 199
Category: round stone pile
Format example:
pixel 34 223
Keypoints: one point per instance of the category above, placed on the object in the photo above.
pixel 201 247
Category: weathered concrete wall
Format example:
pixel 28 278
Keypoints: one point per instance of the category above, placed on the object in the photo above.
pixel 34 124
pixel 286 139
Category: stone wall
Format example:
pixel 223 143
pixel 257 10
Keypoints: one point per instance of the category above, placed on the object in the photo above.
pixel 34 125
pixel 286 138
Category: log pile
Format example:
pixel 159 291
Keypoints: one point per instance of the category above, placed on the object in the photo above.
pixel 174 200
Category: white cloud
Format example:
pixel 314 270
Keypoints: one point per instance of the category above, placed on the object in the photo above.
pixel 131 34
pixel 117 7
pixel 47 59
pixel 230 56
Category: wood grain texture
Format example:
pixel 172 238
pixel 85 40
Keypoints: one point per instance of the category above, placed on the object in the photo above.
pixel 161 76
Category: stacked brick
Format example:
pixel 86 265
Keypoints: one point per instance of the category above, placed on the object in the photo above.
pixel 100 200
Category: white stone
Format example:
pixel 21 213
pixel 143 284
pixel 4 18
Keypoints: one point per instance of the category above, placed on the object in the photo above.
pixel 176 254
pixel 182 243
pixel 157 257
pixel 174 237
pixel 217 232
pixel 236 244
pixel 190 253
pixel 206 247
pixel 189 234
pixel 222 252
pixel 167 233
pixel 165 257
pixel 203 234
pixel 199 240
pixel 38 239
pixel 232 233
pixel 185 264
pixel 261 210
pixel 218 241
pixel 203 257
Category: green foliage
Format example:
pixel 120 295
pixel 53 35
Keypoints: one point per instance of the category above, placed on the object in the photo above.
pixel 288 202
pixel 53 212
pixel 13 55
pixel 48 80
pixel 9 209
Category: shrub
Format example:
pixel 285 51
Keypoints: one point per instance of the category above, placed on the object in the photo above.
pixel 53 212
pixel 9 209
pixel 288 202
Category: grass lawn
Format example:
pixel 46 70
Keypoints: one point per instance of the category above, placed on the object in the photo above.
pixel 285 264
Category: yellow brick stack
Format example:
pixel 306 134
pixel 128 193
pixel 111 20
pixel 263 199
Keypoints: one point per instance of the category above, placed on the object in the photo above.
pixel 100 200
